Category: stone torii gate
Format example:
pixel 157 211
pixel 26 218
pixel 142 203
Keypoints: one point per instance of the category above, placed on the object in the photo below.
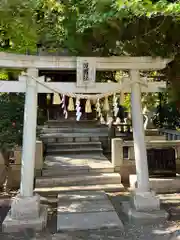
pixel 26 210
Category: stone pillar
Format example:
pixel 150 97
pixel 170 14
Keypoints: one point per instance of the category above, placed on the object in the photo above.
pixel 142 199
pixel 131 153
pixel 138 135
pixel 29 135
pixel 174 136
pixel 26 211
pixel 117 153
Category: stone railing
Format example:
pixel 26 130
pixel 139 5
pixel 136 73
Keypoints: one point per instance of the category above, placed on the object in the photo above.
pixel 170 134
pixel 126 166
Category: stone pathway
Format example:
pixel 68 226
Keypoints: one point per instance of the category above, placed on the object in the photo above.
pixel 164 231
pixel 86 210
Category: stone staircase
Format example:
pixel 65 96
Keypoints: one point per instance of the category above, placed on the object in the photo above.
pixel 74 147
pixel 69 137
pixel 74 159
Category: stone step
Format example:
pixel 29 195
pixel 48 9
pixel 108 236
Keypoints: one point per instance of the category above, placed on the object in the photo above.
pixel 69 122
pixel 100 187
pixel 77 158
pixel 74 164
pixel 52 199
pixel 80 170
pixel 72 130
pixel 78 162
pixel 73 145
pixel 83 150
pixel 79 180
pixel 70 140
pixel 73 135
pixel 59 173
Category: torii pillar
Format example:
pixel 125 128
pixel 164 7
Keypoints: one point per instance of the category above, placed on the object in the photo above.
pixel 144 204
pixel 26 211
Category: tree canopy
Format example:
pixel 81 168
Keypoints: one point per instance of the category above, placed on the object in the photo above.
pixel 92 27
pixel 17 26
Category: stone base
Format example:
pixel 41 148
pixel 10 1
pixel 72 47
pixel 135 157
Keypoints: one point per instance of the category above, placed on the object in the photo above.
pixel 25 207
pixel 144 207
pixel 145 201
pixel 26 212
pixel 37 224
pixel 143 217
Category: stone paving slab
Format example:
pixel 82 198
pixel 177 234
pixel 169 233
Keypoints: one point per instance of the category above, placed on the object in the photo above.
pixel 85 195
pixel 85 206
pixel 86 221
pixel 90 214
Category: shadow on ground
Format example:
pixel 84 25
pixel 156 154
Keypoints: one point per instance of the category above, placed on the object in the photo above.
pixel 161 231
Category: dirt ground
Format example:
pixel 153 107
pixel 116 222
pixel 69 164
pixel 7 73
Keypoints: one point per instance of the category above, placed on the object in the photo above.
pixel 168 230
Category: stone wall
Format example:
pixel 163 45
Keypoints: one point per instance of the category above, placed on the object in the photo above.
pixel 15 169
pixel 158 138
pixel 126 167
pixel 150 134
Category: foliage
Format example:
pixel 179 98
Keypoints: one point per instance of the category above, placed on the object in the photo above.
pixel 91 27
pixel 3 75
pixel 167 116
pixel 115 27
pixel 11 129
pixel 17 25
pixel 127 102
pixel 11 120
pixel 149 101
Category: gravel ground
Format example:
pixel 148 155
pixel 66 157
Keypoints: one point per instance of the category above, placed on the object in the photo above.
pixel 164 231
